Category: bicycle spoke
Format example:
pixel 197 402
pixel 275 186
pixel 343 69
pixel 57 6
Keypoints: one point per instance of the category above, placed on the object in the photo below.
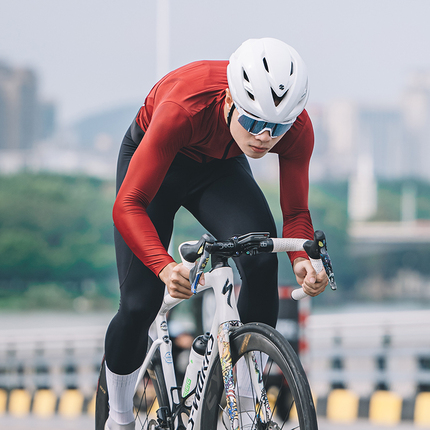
pixel 275 393
pixel 145 405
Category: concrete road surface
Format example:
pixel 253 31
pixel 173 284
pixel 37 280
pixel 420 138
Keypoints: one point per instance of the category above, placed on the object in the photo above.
pixel 9 423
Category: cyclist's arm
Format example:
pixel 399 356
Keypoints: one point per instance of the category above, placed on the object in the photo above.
pixel 294 185
pixel 294 158
pixel 168 131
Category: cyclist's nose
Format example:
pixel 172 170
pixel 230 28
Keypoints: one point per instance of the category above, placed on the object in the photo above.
pixel 264 137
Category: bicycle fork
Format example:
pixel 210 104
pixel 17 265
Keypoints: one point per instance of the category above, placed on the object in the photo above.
pixel 255 371
pixel 227 372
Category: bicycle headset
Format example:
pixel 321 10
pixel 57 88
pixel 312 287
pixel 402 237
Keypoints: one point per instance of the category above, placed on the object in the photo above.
pixel 268 81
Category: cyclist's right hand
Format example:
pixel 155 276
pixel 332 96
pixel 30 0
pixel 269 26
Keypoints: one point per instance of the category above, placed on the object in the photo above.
pixel 176 277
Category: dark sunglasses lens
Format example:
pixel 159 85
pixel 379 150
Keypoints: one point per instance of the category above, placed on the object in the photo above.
pixel 256 127
pixel 280 129
pixel 246 122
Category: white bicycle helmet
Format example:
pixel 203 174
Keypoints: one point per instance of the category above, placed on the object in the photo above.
pixel 268 79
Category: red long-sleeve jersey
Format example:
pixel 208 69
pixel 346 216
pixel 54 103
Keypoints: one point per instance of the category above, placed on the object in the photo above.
pixel 184 113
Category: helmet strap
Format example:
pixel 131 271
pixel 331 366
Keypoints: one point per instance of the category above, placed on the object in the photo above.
pixel 230 115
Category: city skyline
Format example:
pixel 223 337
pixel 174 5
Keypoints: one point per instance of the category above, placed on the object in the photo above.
pixel 383 141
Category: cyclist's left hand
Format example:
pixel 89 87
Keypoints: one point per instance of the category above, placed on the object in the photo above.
pixel 176 277
pixel 312 283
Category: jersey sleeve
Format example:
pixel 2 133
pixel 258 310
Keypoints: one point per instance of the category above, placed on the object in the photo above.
pixel 170 129
pixel 294 186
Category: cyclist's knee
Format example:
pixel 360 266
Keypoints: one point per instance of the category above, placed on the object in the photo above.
pixel 138 312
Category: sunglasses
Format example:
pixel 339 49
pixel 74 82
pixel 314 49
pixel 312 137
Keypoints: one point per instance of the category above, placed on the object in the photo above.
pixel 258 126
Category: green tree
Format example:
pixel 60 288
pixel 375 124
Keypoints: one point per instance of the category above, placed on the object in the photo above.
pixel 55 228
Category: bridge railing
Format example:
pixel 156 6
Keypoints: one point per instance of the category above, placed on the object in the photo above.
pixel 54 358
pixel 365 352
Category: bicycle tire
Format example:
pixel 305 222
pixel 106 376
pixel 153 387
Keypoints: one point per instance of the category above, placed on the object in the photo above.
pixel 293 408
pixel 150 395
pixel 102 399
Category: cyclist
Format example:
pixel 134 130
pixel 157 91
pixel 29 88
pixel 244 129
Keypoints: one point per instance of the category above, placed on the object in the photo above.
pixel 186 147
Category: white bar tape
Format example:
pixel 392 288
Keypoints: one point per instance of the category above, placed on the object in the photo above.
pixel 168 303
pixel 317 265
pixel 285 245
pixel 298 294
pixel 186 263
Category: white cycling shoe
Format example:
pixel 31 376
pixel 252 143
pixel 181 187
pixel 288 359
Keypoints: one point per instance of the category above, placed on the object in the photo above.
pixel 112 425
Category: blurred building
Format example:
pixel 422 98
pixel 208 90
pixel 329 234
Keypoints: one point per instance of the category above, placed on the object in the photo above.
pixel 18 108
pixel 381 134
pixel 396 137
pixel 47 120
pixel 24 118
pixel 416 113
pixel 364 144
pixel 352 132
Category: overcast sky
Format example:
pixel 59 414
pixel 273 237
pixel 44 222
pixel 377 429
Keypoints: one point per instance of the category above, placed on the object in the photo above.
pixel 92 55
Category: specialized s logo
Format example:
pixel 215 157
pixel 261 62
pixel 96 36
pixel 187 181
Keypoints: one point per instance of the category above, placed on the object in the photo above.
pixel 227 289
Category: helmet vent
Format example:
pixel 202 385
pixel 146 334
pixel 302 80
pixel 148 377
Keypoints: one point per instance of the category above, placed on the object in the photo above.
pixel 277 99
pixel 265 64
pixel 245 76
pixel 292 68
pixel 251 96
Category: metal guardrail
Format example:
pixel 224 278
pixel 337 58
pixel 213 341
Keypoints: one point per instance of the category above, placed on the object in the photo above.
pixel 358 353
pixel 368 351
pixel 55 358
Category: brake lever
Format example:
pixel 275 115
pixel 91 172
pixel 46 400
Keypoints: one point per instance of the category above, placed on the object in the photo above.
pixel 325 258
pixel 197 271
pixel 318 249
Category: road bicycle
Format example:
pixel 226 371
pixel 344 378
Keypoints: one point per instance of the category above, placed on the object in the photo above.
pixel 250 378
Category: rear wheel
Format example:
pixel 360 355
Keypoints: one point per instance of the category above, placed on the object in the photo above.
pixel 285 382
pixel 150 395
pixel 102 405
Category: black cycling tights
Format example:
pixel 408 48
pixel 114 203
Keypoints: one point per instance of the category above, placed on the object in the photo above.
pixel 223 196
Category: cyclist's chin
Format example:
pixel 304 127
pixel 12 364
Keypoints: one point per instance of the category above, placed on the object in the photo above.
pixel 253 151
pixel 252 154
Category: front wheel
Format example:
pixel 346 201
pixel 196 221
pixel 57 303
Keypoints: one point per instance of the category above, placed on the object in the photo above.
pixel 284 380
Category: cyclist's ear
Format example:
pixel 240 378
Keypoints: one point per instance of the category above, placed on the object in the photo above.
pixel 228 98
